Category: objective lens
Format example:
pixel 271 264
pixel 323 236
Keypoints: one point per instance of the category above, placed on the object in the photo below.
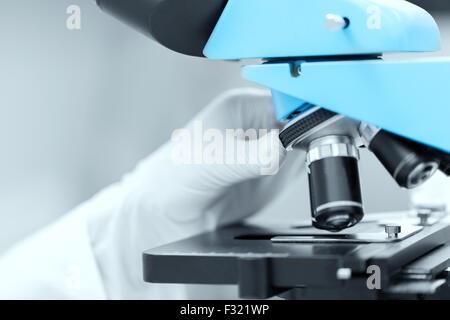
pixel 335 192
pixel 444 158
pixel 407 161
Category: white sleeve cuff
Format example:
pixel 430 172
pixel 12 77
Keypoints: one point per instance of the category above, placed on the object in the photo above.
pixel 56 263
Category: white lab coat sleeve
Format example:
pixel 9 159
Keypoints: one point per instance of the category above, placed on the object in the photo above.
pixel 59 261
pixel 55 263
pixel 94 252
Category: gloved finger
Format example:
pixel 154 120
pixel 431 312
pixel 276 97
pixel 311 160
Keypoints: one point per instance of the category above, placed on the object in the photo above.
pixel 250 197
pixel 247 156
pixel 435 192
pixel 243 108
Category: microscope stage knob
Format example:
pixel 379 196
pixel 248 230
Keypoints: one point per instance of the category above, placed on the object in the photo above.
pixel 424 215
pixel 393 230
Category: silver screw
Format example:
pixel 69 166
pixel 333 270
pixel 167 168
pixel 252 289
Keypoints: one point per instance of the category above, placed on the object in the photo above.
pixel 334 22
pixel 298 70
pixel 424 216
pixel 344 273
pixel 392 230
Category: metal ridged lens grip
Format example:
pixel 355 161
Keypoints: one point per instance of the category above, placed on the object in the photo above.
pixel 334 185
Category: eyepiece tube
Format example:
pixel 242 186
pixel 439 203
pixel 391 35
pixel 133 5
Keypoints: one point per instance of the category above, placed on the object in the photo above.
pixel 182 26
pixel 334 185
pixel 407 161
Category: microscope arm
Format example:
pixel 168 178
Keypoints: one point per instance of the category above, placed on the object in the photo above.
pixel 404 97
pixel 407 97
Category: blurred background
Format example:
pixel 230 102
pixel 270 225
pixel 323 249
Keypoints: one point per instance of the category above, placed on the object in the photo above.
pixel 80 108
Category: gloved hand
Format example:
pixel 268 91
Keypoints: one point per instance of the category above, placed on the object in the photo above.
pixel 95 251
pixel 433 193
pixel 174 194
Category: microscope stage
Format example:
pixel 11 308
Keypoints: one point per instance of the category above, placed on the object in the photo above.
pixel 265 261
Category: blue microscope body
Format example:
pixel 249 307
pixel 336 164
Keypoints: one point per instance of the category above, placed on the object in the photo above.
pixel 404 96
pixel 335 92
pixel 328 53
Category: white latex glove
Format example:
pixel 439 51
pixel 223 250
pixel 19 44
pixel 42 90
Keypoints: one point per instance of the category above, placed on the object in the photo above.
pixel 158 203
pixel 434 192
pixel 165 202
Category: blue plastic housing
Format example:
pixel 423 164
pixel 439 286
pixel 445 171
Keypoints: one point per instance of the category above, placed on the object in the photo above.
pixel 296 28
pixel 407 97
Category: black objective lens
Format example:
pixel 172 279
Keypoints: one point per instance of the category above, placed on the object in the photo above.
pixel 334 185
pixel 444 159
pixel 407 161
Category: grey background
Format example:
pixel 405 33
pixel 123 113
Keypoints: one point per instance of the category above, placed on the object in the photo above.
pixel 79 108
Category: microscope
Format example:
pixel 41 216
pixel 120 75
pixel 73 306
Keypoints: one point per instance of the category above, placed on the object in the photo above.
pixel 335 93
